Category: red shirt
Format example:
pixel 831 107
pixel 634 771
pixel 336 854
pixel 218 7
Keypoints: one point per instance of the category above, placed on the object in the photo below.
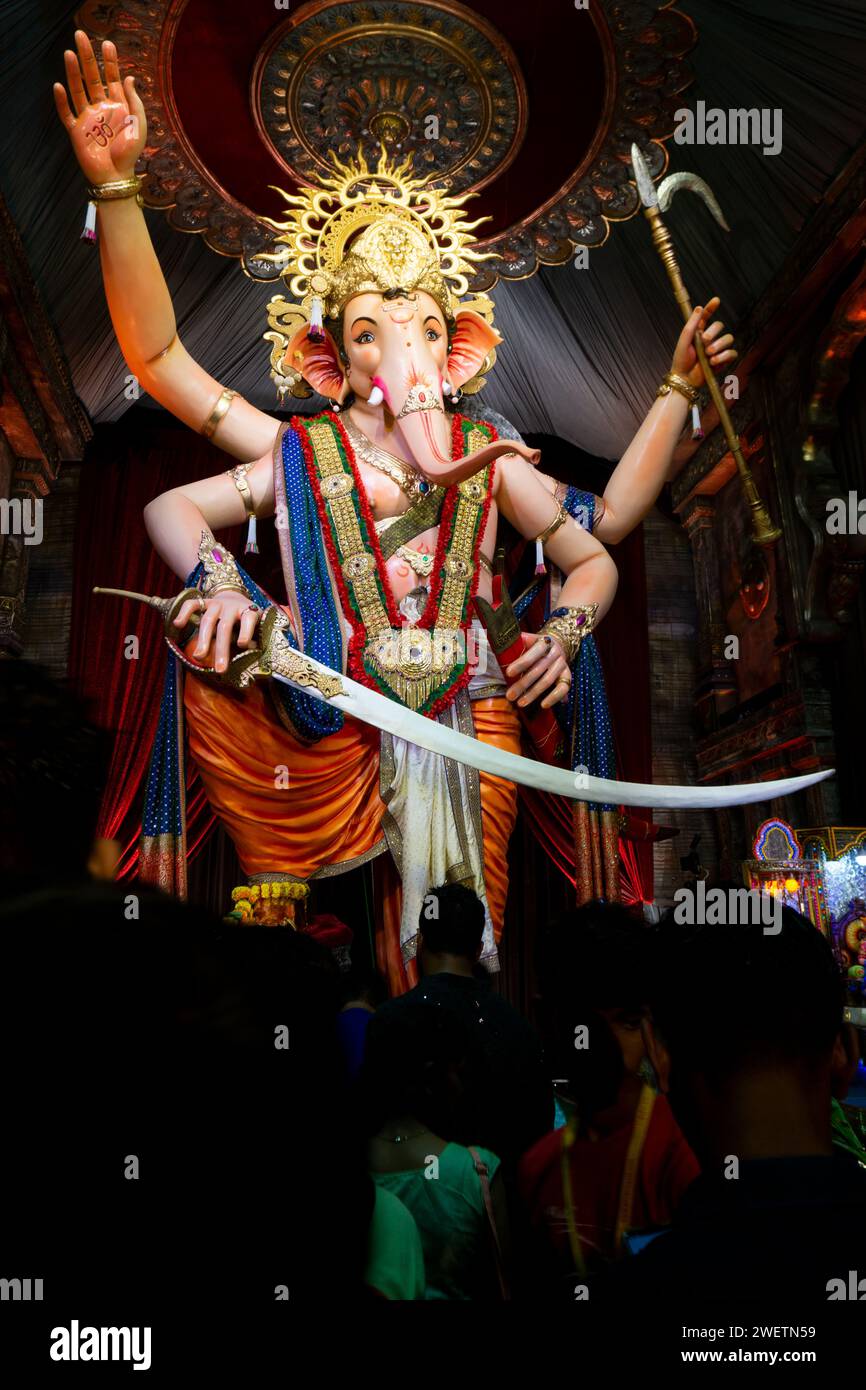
pixel 667 1167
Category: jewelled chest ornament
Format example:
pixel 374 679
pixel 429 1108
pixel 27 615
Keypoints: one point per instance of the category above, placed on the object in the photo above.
pixel 365 230
pixel 422 664
pixel 413 661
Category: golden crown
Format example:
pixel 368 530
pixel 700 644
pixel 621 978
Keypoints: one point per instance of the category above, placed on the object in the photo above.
pixel 367 229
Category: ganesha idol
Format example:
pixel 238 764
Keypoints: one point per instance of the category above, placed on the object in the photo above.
pixel 365 710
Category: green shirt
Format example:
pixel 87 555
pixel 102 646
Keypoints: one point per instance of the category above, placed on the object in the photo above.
pixel 395 1258
pixel 446 1200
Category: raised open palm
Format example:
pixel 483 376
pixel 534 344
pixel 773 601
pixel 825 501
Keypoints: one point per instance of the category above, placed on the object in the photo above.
pixel 108 129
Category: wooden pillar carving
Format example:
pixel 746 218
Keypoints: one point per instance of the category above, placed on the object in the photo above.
pixel 42 423
pixel 716 688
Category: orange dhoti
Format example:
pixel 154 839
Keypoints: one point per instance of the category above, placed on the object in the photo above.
pixel 305 810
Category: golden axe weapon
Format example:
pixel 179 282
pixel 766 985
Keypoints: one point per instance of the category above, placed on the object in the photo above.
pixel 657 200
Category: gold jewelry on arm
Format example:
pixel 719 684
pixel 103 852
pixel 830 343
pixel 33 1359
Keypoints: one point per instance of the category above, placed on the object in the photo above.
pixel 559 520
pixel 598 511
pixel 167 348
pixel 238 475
pixel 116 188
pixel 674 382
pixel 220 409
pixel 221 573
pixel 570 626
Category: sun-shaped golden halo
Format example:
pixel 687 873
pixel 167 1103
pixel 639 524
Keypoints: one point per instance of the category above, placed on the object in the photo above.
pixel 367 229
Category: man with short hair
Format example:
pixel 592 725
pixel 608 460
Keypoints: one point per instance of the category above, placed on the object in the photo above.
pixel 513 1093
pixel 748 1042
pixel 620 1163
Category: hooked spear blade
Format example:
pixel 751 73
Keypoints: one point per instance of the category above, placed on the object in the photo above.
pixel 674 182
pixel 645 186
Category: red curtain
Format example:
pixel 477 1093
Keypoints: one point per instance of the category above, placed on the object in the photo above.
pixel 117 656
pixel 634 887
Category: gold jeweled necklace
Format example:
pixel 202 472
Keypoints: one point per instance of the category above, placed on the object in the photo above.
pixel 398 470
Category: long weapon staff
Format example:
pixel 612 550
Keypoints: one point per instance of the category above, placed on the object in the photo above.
pixel 655 202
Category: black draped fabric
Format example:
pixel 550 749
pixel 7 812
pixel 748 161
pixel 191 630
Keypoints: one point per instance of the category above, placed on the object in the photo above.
pixel 584 349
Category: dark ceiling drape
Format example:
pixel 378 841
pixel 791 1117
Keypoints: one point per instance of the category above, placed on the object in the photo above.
pixel 584 349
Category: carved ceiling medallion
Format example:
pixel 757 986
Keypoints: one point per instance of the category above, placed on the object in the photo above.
pixel 243 98
pixel 417 78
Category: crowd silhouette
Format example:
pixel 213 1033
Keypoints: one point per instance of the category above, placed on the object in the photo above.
pixel 411 1149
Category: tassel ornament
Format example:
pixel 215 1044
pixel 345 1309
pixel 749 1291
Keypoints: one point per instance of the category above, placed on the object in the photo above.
pixel 316 333
pixel 89 230
pixel 540 567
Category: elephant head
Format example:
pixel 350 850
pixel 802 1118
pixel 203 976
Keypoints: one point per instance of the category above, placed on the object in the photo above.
pixel 397 353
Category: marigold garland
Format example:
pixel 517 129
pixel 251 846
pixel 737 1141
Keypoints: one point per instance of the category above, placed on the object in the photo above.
pixel 248 894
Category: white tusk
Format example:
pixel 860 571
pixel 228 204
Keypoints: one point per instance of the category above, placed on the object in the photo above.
pixel 376 396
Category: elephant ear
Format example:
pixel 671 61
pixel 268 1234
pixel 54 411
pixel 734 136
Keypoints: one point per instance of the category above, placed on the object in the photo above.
pixel 472 341
pixel 318 364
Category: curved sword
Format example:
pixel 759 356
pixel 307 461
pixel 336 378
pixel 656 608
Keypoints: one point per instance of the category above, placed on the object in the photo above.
pixel 277 658
pixel 295 668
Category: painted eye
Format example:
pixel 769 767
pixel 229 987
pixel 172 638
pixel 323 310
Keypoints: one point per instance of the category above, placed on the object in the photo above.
pixel 364 338
pixel 433 335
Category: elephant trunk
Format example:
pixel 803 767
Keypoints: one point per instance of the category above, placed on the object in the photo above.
pixel 425 431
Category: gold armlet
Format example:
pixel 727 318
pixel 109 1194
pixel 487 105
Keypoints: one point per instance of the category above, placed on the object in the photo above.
pixel 674 382
pixel 156 357
pixel 220 568
pixel 115 189
pixel 559 520
pixel 238 476
pixel 221 408
pixel 570 626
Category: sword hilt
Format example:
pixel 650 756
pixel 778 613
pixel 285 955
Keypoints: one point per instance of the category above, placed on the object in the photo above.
pixel 243 666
